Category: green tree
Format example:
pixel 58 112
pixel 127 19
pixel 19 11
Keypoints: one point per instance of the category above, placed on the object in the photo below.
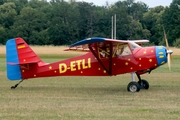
pixel 7 18
pixel 8 14
pixel 86 20
pixel 129 26
pixel 63 27
pixel 176 43
pixel 102 22
pixel 28 24
pixel 171 21
pixel 59 22
pixel 3 35
pixel 152 21
pixel 19 4
pixel 3 1
pixel 136 10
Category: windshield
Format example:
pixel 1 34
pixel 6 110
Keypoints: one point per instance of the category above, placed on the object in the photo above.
pixel 123 50
pixel 133 45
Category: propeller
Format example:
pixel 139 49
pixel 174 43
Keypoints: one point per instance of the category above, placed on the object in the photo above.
pixel 169 52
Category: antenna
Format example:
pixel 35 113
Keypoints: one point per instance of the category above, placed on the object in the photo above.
pixel 113 30
pixel 115 26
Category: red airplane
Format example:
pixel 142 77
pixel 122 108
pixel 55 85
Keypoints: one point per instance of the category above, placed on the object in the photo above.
pixel 104 57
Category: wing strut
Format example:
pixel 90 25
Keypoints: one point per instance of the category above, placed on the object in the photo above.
pixel 110 58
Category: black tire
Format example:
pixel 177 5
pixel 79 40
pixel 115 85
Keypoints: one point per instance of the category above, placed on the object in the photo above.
pixel 133 87
pixel 144 84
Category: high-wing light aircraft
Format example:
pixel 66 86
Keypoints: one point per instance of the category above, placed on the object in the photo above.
pixel 104 57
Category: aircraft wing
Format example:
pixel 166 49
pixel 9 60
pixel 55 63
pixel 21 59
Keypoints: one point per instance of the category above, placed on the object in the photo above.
pixel 80 48
pixel 98 39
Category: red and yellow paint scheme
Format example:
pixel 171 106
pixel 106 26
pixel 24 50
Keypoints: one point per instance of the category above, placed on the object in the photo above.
pixel 103 57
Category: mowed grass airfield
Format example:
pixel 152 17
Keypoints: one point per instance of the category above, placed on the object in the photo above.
pixel 91 98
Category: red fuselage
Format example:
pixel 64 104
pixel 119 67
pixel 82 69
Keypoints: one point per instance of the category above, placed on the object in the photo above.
pixel 87 65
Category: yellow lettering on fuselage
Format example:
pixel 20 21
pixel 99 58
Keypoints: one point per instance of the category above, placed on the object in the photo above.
pixel 62 68
pixel 79 64
pixel 75 65
pixel 83 64
pixel 89 62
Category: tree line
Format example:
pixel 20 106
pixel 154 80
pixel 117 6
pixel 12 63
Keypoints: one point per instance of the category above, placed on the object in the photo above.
pixel 59 22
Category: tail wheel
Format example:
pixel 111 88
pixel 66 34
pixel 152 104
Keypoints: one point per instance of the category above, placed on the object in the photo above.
pixel 144 84
pixel 133 87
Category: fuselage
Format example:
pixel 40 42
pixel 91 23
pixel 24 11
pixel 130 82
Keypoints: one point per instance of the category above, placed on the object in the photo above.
pixel 137 60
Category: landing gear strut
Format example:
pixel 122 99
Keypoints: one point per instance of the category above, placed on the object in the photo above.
pixel 143 83
pixel 136 86
pixel 13 87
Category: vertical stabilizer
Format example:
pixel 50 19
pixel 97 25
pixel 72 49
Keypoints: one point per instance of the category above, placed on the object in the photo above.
pixel 12 61
pixel 18 53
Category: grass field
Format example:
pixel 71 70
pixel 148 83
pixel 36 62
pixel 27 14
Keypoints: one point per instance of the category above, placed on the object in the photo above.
pixel 90 98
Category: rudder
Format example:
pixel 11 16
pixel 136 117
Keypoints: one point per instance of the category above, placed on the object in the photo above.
pixel 12 61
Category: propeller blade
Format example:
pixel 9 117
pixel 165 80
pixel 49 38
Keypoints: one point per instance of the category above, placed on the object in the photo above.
pixel 167 45
pixel 169 61
pixel 169 52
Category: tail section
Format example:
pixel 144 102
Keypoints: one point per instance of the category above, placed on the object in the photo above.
pixel 12 61
pixel 18 53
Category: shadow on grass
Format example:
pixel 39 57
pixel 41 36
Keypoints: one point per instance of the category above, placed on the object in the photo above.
pixel 90 90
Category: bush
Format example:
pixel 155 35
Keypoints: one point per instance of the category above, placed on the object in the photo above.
pixel 177 43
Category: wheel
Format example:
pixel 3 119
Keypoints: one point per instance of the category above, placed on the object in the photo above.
pixel 144 84
pixel 133 87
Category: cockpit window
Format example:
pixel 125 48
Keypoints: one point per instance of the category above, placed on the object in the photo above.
pixel 118 49
pixel 133 45
pixel 126 51
pixel 122 50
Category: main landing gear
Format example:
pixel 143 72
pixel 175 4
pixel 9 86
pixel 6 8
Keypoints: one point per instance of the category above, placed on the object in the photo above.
pixel 136 86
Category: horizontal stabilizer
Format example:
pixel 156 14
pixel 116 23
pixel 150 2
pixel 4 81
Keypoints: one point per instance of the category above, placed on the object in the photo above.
pixel 16 63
